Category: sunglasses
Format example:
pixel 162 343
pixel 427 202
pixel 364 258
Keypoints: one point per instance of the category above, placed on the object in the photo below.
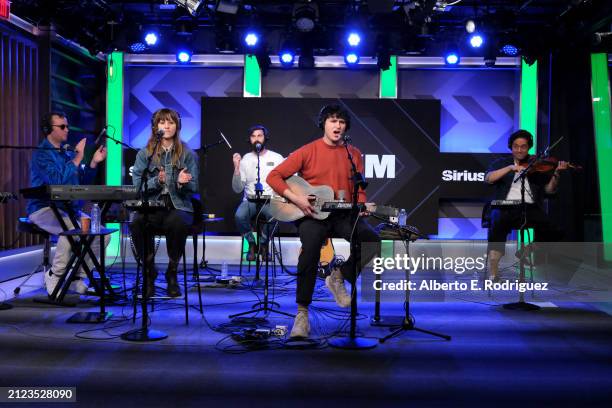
pixel 62 126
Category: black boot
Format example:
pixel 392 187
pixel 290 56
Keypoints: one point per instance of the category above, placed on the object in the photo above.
pixel 173 289
pixel 152 275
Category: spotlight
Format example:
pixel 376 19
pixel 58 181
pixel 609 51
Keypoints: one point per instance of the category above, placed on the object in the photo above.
pixel 351 59
pixel 193 6
pixel 470 26
pixel 151 38
pixel 286 58
pixel 452 58
pixel 183 56
pixel 305 16
pixel 228 6
pixel 510 50
pixel 476 40
pixel 353 39
pixel 251 39
pixel 137 47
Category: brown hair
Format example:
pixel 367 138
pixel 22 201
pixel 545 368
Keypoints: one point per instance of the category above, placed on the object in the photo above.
pixel 177 151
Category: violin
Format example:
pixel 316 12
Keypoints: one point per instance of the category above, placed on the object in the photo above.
pixel 547 165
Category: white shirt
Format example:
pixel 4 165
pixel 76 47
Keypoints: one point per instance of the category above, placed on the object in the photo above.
pixel 248 170
pixel 515 191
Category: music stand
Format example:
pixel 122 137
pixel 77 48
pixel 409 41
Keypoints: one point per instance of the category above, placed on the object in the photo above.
pixel 406 235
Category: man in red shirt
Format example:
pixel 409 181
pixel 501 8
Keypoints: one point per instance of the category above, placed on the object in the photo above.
pixel 325 162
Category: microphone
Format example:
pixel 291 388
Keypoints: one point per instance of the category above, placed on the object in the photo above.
pixel 347 138
pixel 68 148
pixel 225 140
pixel 159 133
pixel 100 135
pixel 258 147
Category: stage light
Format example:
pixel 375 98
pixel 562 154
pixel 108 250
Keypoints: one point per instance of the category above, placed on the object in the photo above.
pixel 305 16
pixel 137 47
pixel 193 6
pixel 228 6
pixel 351 58
pixel 476 40
pixel 183 56
pixel 287 58
pixel 510 50
pixel 151 38
pixel 251 39
pixel 452 58
pixel 470 26
pixel 353 39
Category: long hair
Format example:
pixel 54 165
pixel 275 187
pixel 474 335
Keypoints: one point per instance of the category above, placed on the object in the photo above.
pixel 178 148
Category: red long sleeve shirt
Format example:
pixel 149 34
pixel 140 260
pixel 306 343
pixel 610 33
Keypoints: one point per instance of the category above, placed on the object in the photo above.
pixel 319 164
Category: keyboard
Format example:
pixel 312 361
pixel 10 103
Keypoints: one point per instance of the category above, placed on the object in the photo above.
pixel 81 192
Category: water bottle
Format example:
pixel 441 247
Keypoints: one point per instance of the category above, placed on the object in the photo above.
pixel 401 218
pixel 224 269
pixel 95 218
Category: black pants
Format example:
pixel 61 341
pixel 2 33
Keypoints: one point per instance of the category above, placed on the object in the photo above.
pixel 313 234
pixel 174 224
pixel 504 220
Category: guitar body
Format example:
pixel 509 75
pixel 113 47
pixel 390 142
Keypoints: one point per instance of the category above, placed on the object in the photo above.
pixel 287 211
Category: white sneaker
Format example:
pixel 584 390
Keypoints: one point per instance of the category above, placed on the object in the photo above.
pixel 335 284
pixel 79 286
pixel 51 281
pixel 301 325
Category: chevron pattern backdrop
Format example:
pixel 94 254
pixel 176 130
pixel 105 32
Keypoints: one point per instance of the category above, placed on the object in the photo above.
pixel 479 106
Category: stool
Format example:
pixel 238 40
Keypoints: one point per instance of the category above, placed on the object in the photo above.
pixel 25 225
pixel 273 252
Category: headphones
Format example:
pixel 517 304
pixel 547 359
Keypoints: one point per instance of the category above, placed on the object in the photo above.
pixel 258 127
pixel 332 110
pixel 46 127
pixel 178 115
pixel 520 134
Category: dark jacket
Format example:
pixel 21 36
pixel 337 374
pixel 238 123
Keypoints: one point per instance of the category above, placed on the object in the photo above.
pixel 537 181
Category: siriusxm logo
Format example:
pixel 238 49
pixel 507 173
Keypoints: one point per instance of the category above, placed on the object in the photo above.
pixel 379 167
pixel 458 175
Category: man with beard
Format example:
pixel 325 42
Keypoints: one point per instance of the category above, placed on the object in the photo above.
pixel 254 167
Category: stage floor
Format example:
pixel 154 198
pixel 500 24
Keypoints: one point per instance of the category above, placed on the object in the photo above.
pixel 559 355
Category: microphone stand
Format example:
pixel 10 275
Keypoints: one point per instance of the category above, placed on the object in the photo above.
pixel 521 304
pixel 258 193
pixel 144 334
pixel 203 261
pixel 352 342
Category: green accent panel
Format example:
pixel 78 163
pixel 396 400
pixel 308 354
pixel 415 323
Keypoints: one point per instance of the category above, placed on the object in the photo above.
pixel 252 77
pixel 528 114
pixel 388 80
pixel 386 249
pixel 114 119
pixel 600 90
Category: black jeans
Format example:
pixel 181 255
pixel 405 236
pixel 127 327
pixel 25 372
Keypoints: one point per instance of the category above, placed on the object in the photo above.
pixel 504 220
pixel 174 224
pixel 313 234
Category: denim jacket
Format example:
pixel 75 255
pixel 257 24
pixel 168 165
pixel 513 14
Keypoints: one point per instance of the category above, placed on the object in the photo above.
pixel 179 194
pixel 52 167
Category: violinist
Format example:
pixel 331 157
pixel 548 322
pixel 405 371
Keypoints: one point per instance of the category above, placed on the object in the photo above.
pixel 502 173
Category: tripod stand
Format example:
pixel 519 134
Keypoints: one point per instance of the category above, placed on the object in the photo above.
pixel 266 305
pixel 406 235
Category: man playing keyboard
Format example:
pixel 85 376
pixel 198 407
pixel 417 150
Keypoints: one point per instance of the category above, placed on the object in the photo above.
pixel 59 166
pixel 501 174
